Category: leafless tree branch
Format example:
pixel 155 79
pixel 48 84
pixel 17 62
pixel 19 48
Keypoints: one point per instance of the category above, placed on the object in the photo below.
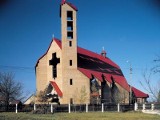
pixel 9 88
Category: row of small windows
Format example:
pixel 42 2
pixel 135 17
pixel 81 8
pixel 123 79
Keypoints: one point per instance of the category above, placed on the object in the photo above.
pixel 54 60
pixel 69 24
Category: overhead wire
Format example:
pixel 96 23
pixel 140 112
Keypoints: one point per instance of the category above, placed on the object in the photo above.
pixel 17 68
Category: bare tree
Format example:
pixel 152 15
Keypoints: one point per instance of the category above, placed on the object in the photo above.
pixel 83 95
pixel 80 96
pixel 40 97
pixel 10 89
pixel 152 89
pixel 120 96
pixel 156 68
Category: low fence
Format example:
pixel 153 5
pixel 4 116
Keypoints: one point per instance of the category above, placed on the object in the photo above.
pixel 147 106
pixel 50 108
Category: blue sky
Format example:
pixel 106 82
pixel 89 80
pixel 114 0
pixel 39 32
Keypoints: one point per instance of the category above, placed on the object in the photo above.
pixel 128 29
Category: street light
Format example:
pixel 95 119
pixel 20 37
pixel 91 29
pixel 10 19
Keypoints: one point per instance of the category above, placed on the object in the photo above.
pixel 130 72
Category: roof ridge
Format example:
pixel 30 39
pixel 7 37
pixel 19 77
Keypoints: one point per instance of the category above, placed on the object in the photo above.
pixel 70 4
pixel 139 93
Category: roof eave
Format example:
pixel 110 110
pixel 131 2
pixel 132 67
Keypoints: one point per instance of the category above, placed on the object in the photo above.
pixel 54 39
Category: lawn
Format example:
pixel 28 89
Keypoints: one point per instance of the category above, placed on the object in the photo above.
pixel 80 116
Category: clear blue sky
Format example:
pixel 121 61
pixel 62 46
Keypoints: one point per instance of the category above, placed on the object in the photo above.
pixel 128 29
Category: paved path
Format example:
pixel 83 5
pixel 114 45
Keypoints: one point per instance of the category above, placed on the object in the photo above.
pixel 151 111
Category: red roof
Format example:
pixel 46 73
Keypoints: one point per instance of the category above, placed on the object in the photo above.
pixel 55 86
pixel 97 59
pixel 118 79
pixel 70 4
pixel 97 56
pixel 139 94
pixel 90 63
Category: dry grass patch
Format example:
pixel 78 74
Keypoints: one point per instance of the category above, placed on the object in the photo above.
pixel 80 116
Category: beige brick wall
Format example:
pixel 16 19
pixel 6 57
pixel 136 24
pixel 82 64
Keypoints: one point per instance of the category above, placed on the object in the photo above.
pixel 41 74
pixel 44 70
pixel 73 91
pixel 123 93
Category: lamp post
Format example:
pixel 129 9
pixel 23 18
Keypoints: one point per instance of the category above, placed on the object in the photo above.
pixel 130 73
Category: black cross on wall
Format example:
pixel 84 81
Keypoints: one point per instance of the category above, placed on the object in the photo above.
pixel 54 61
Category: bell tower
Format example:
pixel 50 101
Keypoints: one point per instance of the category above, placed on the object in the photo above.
pixel 68 13
pixel 69 34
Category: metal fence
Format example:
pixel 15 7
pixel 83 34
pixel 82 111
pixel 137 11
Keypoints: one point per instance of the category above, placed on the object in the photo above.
pixel 149 106
pixel 50 108
pixel 10 108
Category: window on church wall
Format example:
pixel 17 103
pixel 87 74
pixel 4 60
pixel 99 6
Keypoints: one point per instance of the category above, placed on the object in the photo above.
pixel 69 35
pixel 70 43
pixel 70 62
pixel 54 72
pixel 69 26
pixel 94 89
pixel 94 86
pixel 69 15
pixel 71 82
pixel 54 61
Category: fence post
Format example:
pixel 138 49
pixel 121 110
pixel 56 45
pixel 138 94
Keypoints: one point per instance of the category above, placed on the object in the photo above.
pixel 118 107
pixel 144 106
pixel 34 106
pixel 51 108
pixel 16 108
pixel 86 107
pixel 102 107
pixel 152 106
pixel 69 108
pixel 135 106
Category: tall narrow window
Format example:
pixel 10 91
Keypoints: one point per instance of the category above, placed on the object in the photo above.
pixel 70 62
pixel 71 82
pixel 69 35
pixel 70 43
pixel 69 25
pixel 69 15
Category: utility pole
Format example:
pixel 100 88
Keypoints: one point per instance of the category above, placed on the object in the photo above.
pixel 130 89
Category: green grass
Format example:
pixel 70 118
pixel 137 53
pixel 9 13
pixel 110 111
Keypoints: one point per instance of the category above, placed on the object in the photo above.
pixel 80 116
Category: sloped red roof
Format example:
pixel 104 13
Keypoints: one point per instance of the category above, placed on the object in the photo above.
pixel 139 94
pixel 90 63
pixel 70 4
pixel 55 86
pixel 95 55
pixel 118 79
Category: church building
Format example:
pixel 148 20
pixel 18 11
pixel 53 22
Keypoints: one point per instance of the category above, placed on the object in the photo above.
pixel 77 75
